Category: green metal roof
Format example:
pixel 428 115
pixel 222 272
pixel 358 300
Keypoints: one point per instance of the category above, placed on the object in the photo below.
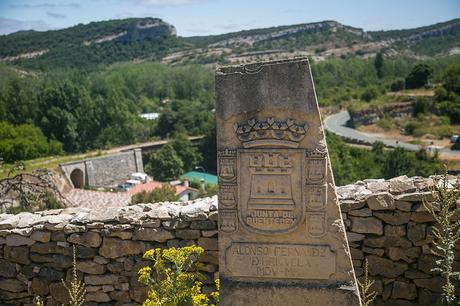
pixel 196 175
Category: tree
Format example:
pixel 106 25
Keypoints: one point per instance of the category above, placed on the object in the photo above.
pixel 397 85
pixel 165 193
pixel 166 123
pixel 25 142
pixel 378 150
pixel 378 64
pixel 448 96
pixel 398 161
pixel 419 76
pixel 208 150
pixel 165 165
pixel 451 79
pixel 369 94
pixel 188 153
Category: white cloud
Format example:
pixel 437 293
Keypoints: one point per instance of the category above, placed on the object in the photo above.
pixel 168 2
pixel 55 15
pixel 45 5
pixel 228 26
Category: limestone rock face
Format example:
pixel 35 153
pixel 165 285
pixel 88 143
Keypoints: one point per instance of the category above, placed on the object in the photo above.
pixel 281 235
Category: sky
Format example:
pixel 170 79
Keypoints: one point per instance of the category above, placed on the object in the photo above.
pixel 206 17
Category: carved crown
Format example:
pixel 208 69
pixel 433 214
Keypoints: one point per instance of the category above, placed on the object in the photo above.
pixel 319 152
pixel 268 132
pixel 226 153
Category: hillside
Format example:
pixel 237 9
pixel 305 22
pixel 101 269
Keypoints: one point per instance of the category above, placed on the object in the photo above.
pixel 138 39
pixel 82 46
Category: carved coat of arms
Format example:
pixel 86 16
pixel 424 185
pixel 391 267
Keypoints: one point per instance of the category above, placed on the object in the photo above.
pixel 271 175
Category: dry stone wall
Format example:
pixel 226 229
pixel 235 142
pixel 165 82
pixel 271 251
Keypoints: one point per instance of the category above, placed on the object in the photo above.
pixel 36 251
pixel 385 221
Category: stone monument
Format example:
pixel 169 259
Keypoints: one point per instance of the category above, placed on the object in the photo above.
pixel 281 237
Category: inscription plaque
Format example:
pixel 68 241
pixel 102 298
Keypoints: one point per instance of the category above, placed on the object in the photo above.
pixel 293 261
pixel 270 193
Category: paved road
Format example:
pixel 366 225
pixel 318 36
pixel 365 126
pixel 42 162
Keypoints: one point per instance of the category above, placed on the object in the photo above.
pixel 336 124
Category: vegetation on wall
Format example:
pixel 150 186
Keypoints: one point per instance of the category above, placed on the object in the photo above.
pixel 174 278
pixel 29 191
pixel 446 233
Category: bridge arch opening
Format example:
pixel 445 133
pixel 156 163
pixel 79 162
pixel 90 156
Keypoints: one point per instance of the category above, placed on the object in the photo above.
pixel 77 177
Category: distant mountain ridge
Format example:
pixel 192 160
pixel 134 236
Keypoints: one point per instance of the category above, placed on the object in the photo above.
pixel 139 39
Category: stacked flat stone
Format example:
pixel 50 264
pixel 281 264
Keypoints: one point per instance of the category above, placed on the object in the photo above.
pixel 385 220
pixel 36 251
pixel 387 223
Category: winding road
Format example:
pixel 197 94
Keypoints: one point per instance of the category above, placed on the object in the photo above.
pixel 336 124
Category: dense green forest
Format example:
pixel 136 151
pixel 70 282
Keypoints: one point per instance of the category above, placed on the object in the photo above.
pixel 71 111
pixel 92 111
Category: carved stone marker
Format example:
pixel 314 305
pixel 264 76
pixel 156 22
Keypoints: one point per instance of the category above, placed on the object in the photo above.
pixel 281 236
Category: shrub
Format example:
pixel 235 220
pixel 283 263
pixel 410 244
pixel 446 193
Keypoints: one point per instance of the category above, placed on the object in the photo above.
pixel 365 291
pixel 174 278
pixel 76 289
pixel 444 131
pixel 411 127
pixel 166 193
pixel 385 123
pixel 422 105
pixel 446 233
pixel 369 94
pixel 398 85
pixel 419 76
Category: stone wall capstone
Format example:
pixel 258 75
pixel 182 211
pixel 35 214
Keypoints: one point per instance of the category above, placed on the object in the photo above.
pixel 385 222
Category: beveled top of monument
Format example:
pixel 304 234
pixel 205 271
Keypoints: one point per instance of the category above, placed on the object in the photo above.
pixel 283 84
pixel 279 221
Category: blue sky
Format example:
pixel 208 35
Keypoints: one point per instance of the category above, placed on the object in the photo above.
pixel 205 17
